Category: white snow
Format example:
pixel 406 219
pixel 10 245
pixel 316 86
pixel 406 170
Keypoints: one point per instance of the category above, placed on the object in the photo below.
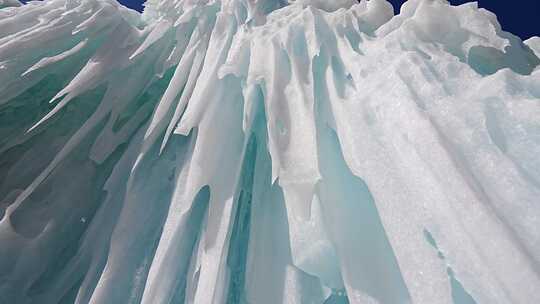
pixel 267 151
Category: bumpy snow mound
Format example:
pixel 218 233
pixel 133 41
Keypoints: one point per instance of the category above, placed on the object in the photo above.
pixel 244 151
pixel 534 44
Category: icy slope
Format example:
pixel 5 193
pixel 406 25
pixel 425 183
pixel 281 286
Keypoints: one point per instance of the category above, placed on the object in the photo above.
pixel 9 3
pixel 243 151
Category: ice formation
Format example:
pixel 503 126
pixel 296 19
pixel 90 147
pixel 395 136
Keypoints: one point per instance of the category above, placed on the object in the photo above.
pixel 261 151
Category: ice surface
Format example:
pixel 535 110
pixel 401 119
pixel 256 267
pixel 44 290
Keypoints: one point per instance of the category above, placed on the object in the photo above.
pixel 261 151
pixel 9 3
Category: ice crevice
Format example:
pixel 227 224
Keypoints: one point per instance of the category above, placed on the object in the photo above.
pixel 269 151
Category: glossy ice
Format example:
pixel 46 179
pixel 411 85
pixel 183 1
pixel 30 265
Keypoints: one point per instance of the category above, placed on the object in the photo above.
pixel 244 151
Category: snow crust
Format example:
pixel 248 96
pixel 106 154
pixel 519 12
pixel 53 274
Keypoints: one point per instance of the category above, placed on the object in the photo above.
pixel 261 151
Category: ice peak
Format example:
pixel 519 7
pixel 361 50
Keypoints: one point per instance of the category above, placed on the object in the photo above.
pixel 268 152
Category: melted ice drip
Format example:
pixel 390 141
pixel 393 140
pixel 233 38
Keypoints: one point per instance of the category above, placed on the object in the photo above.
pixel 244 151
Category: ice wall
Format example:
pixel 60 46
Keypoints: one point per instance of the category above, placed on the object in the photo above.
pixel 9 3
pixel 244 151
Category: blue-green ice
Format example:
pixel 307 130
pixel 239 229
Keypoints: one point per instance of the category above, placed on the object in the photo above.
pixel 267 152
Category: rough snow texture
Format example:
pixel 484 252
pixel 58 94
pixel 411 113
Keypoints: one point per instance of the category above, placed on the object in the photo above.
pixel 244 151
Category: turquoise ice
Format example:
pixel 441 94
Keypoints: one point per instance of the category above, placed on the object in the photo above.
pixel 267 152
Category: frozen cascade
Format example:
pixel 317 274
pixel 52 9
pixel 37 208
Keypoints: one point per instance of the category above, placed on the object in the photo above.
pixel 267 151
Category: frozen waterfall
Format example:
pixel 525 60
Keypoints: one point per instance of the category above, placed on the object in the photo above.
pixel 267 152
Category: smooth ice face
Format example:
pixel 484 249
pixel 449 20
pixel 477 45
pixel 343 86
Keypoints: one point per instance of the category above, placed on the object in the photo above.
pixel 243 151
pixel 9 3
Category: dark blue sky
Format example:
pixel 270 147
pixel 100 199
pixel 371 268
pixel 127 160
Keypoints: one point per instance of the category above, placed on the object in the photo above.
pixel 521 17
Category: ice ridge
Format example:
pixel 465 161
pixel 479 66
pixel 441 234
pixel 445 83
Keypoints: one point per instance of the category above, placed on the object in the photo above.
pixel 267 151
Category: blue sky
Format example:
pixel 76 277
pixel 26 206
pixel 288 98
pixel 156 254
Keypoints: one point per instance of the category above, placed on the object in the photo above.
pixel 520 17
